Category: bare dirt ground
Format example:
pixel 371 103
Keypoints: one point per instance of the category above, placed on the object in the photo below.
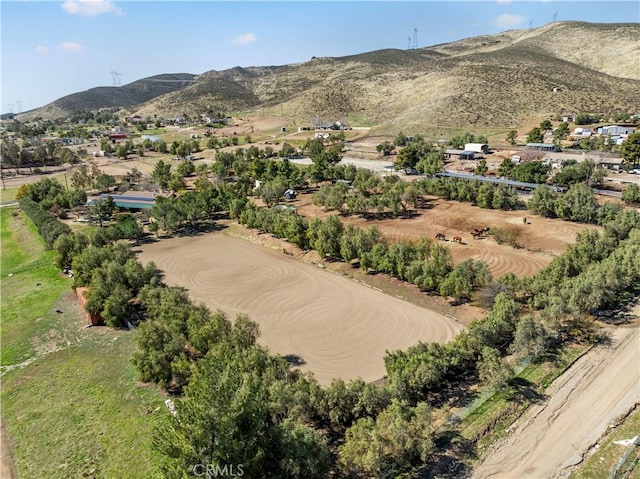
pixel 554 436
pixel 542 238
pixel 338 327
pixel 6 469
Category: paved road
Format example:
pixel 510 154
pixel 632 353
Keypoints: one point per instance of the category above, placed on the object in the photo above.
pixel 553 437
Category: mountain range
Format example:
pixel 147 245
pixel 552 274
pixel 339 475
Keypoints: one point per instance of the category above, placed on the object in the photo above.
pixel 493 81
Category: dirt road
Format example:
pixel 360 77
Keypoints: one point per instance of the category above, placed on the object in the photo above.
pixel 554 436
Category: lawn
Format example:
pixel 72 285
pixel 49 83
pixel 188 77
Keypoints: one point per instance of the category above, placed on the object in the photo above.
pixel 71 404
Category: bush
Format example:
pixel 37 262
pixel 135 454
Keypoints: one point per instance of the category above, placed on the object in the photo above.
pixel 504 236
pixel 47 224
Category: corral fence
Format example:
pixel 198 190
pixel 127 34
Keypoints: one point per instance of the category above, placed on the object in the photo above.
pixel 626 464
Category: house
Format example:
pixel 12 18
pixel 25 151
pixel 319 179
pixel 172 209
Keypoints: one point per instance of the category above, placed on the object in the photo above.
pixel 117 136
pixel 135 120
pixel 615 130
pixel 477 147
pixel 558 159
pixel 459 155
pixel 290 194
pixel 569 118
pixel 542 147
pixel 582 132
pixel 136 200
pixel 327 126
pixel 614 164
pixel 322 135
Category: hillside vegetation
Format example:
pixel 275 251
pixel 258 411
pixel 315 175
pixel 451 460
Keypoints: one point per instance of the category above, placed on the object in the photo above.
pixel 497 80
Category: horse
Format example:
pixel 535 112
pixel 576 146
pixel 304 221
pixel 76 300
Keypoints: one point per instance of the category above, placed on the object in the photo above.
pixel 440 237
pixel 524 220
pixel 457 239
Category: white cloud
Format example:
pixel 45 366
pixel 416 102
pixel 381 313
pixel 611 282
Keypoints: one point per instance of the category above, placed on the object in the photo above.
pixel 508 20
pixel 504 2
pixel 70 47
pixel 244 39
pixel 90 8
pixel 40 50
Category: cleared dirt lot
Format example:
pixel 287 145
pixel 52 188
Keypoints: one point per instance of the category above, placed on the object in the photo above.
pixel 340 328
pixel 554 436
pixel 542 238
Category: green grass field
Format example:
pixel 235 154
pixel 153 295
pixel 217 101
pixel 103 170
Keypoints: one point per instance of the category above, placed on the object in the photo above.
pixel 71 404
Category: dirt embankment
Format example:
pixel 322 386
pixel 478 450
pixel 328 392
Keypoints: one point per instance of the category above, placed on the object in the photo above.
pixel 554 436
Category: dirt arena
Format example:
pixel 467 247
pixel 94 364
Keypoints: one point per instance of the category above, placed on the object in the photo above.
pixel 542 238
pixel 338 327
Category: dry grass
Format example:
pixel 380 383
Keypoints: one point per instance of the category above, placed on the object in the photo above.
pixel 494 81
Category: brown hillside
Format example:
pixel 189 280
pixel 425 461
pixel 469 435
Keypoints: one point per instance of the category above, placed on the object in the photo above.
pixel 495 80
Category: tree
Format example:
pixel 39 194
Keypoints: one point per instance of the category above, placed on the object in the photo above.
pixel 529 338
pixel 464 278
pixel 399 437
pixel 561 132
pixel 512 137
pixel 272 192
pixel 543 202
pixel 385 148
pixel 531 172
pixel 505 168
pixel 324 236
pixel 128 226
pixel 400 139
pixel 162 173
pixel 481 167
pixel 104 209
pixel 631 194
pixel 545 125
pixel 535 135
pixel 411 154
pixel 104 182
pixel 227 418
pixel 630 149
pixel 493 369
pixel 186 168
pixel 577 204
pixel 432 163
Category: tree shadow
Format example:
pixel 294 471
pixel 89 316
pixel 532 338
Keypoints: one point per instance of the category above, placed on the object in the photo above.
pixel 294 359
pixel 200 229
pixel 522 390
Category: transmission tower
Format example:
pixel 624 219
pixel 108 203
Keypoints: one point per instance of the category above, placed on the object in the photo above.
pixel 415 38
pixel 10 105
pixel 555 16
pixel 19 105
pixel 116 76
pixel 409 44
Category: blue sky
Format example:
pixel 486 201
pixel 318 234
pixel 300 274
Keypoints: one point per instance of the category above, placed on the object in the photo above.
pixel 55 48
